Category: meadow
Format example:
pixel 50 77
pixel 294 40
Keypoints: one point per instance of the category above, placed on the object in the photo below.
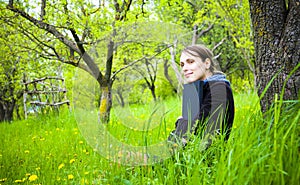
pixel 51 149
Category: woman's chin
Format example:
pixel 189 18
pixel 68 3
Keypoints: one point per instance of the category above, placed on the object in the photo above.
pixel 190 80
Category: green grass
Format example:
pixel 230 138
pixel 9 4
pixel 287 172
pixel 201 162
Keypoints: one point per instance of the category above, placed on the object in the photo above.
pixel 50 149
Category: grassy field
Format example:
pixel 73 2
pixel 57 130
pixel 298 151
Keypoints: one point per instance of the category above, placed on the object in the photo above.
pixel 51 149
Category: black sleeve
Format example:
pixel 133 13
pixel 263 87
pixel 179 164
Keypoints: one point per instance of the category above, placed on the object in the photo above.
pixel 213 110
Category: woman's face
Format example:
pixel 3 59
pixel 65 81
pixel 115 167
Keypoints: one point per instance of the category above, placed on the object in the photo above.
pixel 193 68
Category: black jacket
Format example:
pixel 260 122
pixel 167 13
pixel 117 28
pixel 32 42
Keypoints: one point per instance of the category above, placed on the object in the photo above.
pixel 216 113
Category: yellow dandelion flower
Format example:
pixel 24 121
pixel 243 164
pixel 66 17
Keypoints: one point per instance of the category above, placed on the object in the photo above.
pixel 18 181
pixel 26 151
pixel 80 142
pixel 84 181
pixel 3 180
pixel 33 178
pixel 57 129
pixel 27 174
pixel 86 173
pixel 61 166
pixel 37 169
pixel 72 161
pixel 70 177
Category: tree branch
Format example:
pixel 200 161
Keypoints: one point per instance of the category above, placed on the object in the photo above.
pixel 205 31
pixel 45 26
pixel 74 46
pixel 43 12
pixel 218 44
pixel 138 60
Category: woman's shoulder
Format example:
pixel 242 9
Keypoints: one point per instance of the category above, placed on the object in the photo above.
pixel 217 84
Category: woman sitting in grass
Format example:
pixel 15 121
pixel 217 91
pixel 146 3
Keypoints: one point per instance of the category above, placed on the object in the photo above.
pixel 208 105
pixel 214 113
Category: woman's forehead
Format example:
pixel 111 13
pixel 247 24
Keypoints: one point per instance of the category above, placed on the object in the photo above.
pixel 187 56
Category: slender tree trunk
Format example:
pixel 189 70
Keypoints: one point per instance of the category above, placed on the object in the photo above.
pixel 2 113
pixel 166 73
pixel 152 88
pixel 120 98
pixel 276 37
pixel 175 67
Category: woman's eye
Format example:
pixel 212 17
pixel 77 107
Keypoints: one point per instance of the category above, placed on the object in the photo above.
pixel 190 61
pixel 181 64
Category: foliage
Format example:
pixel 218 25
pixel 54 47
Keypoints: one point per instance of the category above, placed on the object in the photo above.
pixel 51 150
pixel 218 22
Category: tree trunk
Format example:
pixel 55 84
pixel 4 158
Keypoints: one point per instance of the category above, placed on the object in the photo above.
pixel 120 98
pixel 276 37
pixel 6 111
pixel 105 103
pixel 106 84
pixel 175 68
pixel 166 73
pixel 2 114
pixel 152 88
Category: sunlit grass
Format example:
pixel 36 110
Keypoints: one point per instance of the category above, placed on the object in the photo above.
pixel 51 150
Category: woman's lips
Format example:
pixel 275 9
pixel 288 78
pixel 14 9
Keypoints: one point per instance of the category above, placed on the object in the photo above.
pixel 188 74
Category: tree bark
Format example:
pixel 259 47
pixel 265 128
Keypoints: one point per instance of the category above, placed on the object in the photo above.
pixel 106 84
pixel 105 103
pixel 2 114
pixel 6 111
pixel 277 44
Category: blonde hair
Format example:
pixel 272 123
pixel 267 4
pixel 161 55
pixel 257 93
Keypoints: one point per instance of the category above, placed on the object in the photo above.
pixel 204 53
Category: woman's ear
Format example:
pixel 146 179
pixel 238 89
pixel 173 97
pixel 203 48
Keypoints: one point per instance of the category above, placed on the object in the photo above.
pixel 207 63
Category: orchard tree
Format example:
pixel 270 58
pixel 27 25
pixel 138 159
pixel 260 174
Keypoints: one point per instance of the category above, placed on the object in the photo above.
pixel 17 63
pixel 67 31
pixel 64 30
pixel 276 26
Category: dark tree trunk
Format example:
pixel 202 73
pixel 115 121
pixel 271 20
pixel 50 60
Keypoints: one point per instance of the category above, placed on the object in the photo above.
pixel 2 113
pixel 277 44
pixel 152 88
pixel 6 111
pixel 166 73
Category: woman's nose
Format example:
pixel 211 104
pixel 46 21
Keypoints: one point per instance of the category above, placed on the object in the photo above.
pixel 184 68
